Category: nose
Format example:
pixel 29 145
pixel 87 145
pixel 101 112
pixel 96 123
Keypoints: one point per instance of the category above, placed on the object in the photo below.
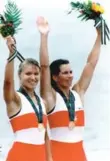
pixel 33 77
pixel 70 75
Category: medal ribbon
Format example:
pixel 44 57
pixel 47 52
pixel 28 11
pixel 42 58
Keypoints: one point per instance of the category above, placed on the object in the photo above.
pixel 39 113
pixel 70 103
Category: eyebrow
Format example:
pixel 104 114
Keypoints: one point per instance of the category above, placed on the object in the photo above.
pixel 67 71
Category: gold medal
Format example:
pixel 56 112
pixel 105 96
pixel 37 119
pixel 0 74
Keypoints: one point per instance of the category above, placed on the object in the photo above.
pixel 71 125
pixel 40 126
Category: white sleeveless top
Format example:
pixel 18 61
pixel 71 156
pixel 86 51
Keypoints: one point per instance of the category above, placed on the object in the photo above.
pixel 25 123
pixel 59 121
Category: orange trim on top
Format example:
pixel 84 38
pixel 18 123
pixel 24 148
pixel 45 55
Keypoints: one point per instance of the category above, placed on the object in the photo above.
pixel 61 119
pixel 26 121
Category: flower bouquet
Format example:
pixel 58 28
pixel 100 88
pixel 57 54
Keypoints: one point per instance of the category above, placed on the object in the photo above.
pixel 10 20
pixel 9 25
pixel 91 10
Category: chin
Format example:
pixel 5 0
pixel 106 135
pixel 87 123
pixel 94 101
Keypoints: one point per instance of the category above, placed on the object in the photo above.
pixel 69 85
pixel 31 88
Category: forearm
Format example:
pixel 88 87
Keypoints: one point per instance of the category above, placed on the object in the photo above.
pixel 9 70
pixel 95 53
pixel 89 68
pixel 45 69
pixel 9 78
pixel 45 79
pixel 44 58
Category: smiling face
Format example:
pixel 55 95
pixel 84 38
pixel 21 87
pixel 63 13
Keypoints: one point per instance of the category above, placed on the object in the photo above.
pixel 65 76
pixel 29 76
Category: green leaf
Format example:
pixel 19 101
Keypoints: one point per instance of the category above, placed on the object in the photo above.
pixel 81 15
pixel 13 14
pixel 84 18
pixel 2 20
pixel 76 5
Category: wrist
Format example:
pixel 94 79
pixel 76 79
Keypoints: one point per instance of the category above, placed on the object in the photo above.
pixel 98 31
pixel 11 57
pixel 11 52
pixel 44 34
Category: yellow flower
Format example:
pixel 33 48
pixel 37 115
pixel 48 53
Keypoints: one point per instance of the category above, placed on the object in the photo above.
pixel 101 9
pixel 97 8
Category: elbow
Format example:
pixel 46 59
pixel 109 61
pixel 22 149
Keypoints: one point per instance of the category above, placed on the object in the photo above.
pixel 7 82
pixel 7 85
pixel 94 63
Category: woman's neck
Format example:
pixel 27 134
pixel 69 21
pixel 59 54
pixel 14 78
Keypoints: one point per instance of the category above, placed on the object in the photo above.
pixel 30 92
pixel 65 91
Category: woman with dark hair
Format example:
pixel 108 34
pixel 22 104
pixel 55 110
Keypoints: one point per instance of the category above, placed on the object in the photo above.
pixel 26 111
pixel 64 102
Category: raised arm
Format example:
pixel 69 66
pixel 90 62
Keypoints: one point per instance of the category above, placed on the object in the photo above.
pixel 92 60
pixel 47 93
pixel 10 96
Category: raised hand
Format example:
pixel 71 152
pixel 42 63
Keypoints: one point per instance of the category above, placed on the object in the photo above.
pixel 42 25
pixel 11 44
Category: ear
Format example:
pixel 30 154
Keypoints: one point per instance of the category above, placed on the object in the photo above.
pixel 55 78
